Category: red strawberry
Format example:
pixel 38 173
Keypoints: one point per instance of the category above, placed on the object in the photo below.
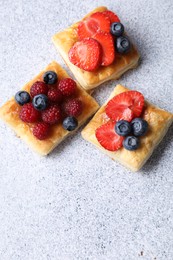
pixel 119 107
pixel 108 138
pixel 108 50
pixel 112 16
pixel 126 105
pixel 86 54
pixel 41 131
pixel 96 22
pixel 138 102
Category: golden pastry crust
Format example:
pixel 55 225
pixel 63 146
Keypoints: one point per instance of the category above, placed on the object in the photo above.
pixel 9 112
pixel 64 40
pixel 159 121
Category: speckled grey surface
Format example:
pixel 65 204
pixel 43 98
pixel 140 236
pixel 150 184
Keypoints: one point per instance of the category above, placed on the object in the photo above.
pixel 77 204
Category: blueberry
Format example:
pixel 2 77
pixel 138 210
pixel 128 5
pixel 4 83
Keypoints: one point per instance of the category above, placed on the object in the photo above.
pixel 123 44
pixel 50 77
pixel 131 143
pixel 40 102
pixel 70 123
pixel 139 126
pixel 22 97
pixel 122 127
pixel 117 29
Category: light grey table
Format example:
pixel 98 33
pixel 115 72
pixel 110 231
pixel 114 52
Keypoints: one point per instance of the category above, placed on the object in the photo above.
pixel 77 203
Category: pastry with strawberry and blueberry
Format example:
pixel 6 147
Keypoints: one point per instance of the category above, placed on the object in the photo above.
pixel 128 128
pixel 96 49
pixel 48 108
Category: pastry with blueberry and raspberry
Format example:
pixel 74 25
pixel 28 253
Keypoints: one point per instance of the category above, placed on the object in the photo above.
pixel 96 49
pixel 48 108
pixel 128 128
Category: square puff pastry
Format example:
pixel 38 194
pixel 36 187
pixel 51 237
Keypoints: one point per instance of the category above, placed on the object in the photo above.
pixel 64 40
pixel 159 121
pixel 9 112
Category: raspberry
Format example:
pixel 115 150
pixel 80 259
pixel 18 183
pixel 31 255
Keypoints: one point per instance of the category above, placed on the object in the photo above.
pixel 72 107
pixel 67 87
pixel 54 95
pixel 52 114
pixel 41 130
pixel 29 114
pixel 37 88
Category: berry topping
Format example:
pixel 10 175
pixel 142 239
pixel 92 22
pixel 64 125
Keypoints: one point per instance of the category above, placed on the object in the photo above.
pixel 117 29
pixel 54 95
pixel 108 138
pixel 70 123
pixel 138 102
pixel 112 16
pixel 108 50
pixel 96 22
pixel 67 87
pixel 126 105
pixel 52 114
pixel 29 114
pixel 123 44
pixel 118 107
pixel 86 54
pixel 123 128
pixel 37 88
pixel 40 102
pixel 50 77
pixel 139 126
pixel 72 107
pixel 131 143
pixel 41 131
pixel 22 97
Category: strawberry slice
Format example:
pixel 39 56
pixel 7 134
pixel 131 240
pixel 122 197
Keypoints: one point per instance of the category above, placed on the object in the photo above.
pixel 112 16
pixel 126 105
pixel 86 54
pixel 118 107
pixel 108 138
pixel 138 102
pixel 108 50
pixel 96 22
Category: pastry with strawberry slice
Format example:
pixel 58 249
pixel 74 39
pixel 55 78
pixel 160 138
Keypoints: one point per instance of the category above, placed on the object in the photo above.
pixel 128 128
pixel 96 49
pixel 48 108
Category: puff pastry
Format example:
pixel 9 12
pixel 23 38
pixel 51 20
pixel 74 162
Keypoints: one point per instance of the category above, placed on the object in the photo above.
pixel 9 112
pixel 64 40
pixel 159 121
